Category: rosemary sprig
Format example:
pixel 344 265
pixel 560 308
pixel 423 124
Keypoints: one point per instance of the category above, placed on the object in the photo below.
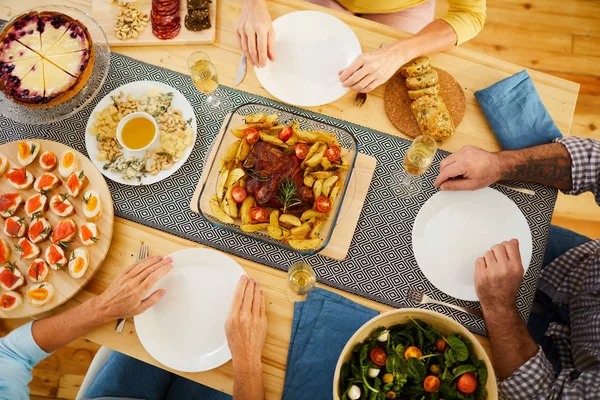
pixel 37 272
pixel 36 215
pixel 287 194
pixel 261 177
pixel 11 266
pixel 63 245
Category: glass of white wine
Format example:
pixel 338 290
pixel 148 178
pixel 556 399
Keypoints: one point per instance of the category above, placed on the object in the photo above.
pixel 417 160
pixel 301 281
pixel 205 76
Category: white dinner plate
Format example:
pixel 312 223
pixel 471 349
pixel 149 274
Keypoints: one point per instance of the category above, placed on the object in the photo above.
pixel 186 329
pixel 453 229
pixel 139 89
pixel 310 48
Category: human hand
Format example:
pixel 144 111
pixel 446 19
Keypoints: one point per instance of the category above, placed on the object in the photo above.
pixel 126 295
pixel 498 275
pixel 470 168
pixel 370 70
pixel 255 34
pixel 246 325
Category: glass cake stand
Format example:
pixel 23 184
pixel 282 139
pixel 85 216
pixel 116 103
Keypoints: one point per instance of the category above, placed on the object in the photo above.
pixel 38 116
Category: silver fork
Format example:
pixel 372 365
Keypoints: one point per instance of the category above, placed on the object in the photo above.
pixel 360 98
pixel 422 298
pixel 142 253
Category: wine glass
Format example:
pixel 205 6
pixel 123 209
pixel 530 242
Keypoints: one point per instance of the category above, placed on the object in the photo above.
pixel 204 75
pixel 301 279
pixel 417 161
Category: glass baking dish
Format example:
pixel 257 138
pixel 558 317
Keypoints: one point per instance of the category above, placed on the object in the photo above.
pixel 212 166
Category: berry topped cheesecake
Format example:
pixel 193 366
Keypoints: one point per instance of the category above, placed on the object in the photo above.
pixel 46 58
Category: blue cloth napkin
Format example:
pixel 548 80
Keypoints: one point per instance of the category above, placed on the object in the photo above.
pixel 516 113
pixel 321 328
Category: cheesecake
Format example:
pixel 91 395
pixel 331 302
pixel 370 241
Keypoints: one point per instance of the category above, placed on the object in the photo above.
pixel 46 58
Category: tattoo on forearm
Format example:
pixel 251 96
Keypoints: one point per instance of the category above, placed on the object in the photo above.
pixel 549 165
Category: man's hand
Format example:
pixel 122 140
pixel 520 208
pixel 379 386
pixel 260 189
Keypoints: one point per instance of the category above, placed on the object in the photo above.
pixel 371 70
pixel 470 168
pixel 126 295
pixel 498 275
pixel 255 33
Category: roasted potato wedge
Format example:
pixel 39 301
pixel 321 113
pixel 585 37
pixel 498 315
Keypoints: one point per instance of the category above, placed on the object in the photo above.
pixel 305 244
pixel 234 176
pixel 309 180
pixel 317 188
pixel 255 118
pixel 239 132
pixel 301 231
pixel 307 136
pixel 327 184
pixel 326 164
pixel 271 139
pixel 231 204
pixel 329 138
pixel 275 129
pixel 311 151
pixel 218 213
pixel 221 184
pixel 316 228
pixel 231 151
pixel 321 174
pixel 293 140
pixel 243 151
pixel 247 204
pixel 278 233
pixel 308 214
pixel 334 194
pixel 290 220
pixel 254 227
pixel 317 157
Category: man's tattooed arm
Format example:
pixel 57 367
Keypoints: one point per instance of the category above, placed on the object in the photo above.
pixel 548 164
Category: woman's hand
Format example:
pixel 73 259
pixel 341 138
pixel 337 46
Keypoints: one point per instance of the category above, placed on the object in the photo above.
pixel 255 33
pixel 370 70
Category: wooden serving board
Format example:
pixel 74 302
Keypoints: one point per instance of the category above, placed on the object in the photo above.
pixel 105 14
pixel 65 286
pixel 352 205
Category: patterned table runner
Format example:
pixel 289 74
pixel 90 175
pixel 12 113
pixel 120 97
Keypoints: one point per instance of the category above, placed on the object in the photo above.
pixel 380 265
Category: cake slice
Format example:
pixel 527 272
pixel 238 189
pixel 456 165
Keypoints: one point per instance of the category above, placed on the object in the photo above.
pixel 72 63
pixel 53 26
pixel 30 89
pixel 74 39
pixel 25 30
pixel 12 50
pixel 56 80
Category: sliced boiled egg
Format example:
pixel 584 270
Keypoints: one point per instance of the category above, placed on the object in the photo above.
pixel 3 164
pixel 38 270
pixel 61 206
pixel 11 277
pixel 78 262
pixel 15 227
pixel 76 182
pixel 46 183
pixel 40 294
pixel 92 206
pixel 19 178
pixel 88 233
pixel 55 256
pixel 27 152
pixel 68 163
pixel 28 250
pixel 39 230
pixel 36 205
pixel 9 204
pixel 5 251
pixel 64 231
pixel 48 161
pixel 10 300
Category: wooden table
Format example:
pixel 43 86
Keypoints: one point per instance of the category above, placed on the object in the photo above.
pixel 474 71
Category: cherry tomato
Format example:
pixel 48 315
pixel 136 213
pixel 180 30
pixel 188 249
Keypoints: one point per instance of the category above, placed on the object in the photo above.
pixel 285 133
pixel 431 384
pixel 251 135
pixel 441 345
pixel 412 352
pixel 388 378
pixel 435 369
pixel 467 383
pixel 259 214
pixel 333 153
pixel 323 204
pixel 390 395
pixel 301 151
pixel 378 356
pixel 239 194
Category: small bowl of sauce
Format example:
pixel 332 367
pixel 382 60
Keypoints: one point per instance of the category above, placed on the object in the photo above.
pixel 137 132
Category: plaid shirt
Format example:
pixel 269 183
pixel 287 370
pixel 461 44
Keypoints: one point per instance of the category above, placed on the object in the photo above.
pixel 573 279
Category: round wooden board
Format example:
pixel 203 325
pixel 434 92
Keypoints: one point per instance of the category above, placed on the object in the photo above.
pixel 65 286
pixel 397 103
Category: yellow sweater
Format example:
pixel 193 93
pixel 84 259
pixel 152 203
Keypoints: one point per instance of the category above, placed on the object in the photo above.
pixel 466 17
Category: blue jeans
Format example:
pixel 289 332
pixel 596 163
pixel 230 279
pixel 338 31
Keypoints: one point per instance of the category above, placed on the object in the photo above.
pixel 545 311
pixel 123 376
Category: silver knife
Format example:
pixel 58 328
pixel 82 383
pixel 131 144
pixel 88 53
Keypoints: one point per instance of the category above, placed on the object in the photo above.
pixel 241 72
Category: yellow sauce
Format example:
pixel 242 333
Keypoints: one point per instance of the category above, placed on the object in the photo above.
pixel 137 133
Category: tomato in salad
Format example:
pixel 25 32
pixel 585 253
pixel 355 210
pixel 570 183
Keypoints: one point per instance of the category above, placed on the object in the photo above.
pixel 259 214
pixel 333 153
pixel 301 151
pixel 285 134
pixel 323 204
pixel 378 356
pixel 252 136
pixel 441 345
pixel 467 383
pixel 239 194
pixel 431 384
pixel 412 352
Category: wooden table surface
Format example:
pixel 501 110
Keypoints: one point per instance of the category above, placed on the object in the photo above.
pixel 474 71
